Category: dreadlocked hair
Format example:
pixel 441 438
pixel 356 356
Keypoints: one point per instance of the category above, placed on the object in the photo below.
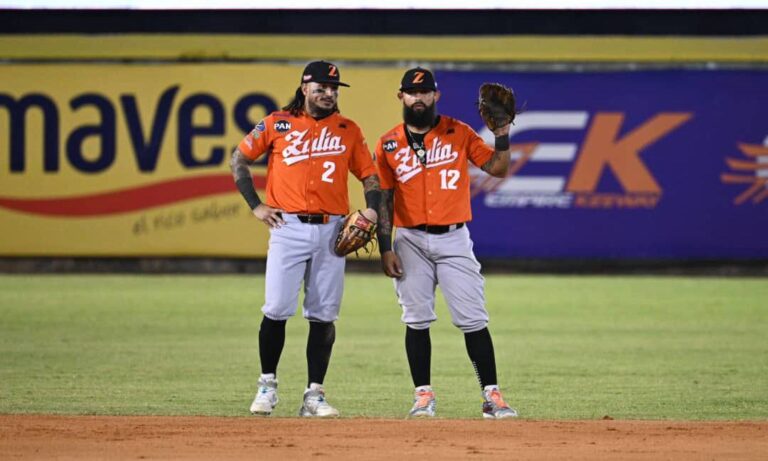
pixel 296 106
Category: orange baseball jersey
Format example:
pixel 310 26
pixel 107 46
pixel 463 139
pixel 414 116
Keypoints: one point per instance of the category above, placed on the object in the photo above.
pixel 310 160
pixel 436 193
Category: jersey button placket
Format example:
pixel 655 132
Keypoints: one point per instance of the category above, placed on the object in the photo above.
pixel 312 161
pixel 310 190
pixel 427 201
pixel 432 198
pixel 430 201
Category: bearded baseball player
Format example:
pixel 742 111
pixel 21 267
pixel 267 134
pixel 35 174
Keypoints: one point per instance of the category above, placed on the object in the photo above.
pixel 311 148
pixel 424 169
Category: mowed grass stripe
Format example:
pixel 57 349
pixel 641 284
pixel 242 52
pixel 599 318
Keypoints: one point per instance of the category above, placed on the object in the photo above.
pixel 566 347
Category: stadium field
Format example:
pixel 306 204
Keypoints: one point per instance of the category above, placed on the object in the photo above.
pixel 585 352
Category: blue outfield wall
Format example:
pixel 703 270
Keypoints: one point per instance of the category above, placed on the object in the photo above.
pixel 667 164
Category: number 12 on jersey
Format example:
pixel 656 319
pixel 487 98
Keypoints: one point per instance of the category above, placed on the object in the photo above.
pixel 448 179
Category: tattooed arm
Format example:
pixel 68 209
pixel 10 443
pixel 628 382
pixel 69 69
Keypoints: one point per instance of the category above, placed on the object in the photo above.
pixel 241 171
pixel 371 183
pixel 240 165
pixel 498 165
pixel 372 192
pixel 390 262
pixel 384 230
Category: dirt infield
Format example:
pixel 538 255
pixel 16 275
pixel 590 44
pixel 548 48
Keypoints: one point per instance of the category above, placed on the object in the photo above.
pixel 204 438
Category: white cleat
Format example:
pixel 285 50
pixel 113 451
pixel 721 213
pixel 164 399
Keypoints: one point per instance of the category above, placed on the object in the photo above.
pixel 315 405
pixel 266 397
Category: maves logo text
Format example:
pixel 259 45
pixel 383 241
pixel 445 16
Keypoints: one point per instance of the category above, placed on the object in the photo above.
pixel 146 133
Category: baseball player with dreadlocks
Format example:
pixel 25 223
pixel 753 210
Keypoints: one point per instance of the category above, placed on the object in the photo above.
pixel 311 149
pixel 423 165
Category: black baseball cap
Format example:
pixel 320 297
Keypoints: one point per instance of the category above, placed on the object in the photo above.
pixel 321 72
pixel 418 78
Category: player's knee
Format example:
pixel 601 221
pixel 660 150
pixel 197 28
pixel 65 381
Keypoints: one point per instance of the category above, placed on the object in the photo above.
pixel 277 313
pixel 472 326
pixel 325 314
pixel 419 325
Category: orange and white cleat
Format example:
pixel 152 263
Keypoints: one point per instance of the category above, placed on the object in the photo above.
pixel 423 403
pixel 494 406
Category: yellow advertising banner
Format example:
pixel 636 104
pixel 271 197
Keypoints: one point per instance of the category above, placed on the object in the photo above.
pixel 133 159
pixel 389 48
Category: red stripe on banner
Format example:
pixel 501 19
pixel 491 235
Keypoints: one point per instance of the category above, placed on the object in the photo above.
pixel 126 200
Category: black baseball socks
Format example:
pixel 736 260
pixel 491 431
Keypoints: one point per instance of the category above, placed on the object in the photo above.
pixel 271 342
pixel 480 350
pixel 418 347
pixel 319 347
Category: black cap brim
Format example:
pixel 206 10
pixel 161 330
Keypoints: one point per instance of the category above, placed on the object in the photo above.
pixel 422 88
pixel 332 82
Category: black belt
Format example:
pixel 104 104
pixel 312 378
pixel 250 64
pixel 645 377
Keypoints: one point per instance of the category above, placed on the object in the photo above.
pixel 313 218
pixel 437 229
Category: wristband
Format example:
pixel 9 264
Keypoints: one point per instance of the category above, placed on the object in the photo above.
pixel 385 242
pixel 245 186
pixel 373 199
pixel 502 142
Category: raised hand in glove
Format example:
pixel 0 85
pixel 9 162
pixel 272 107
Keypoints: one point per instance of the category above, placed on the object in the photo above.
pixel 496 104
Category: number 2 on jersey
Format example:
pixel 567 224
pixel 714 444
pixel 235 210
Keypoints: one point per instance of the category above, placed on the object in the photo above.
pixel 449 178
pixel 330 167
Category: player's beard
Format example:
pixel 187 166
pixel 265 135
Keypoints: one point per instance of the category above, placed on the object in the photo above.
pixel 420 118
pixel 320 112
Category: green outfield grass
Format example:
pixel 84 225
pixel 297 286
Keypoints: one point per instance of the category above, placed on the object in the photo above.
pixel 567 347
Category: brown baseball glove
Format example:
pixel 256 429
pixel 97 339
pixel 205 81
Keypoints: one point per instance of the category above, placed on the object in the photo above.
pixel 496 105
pixel 355 234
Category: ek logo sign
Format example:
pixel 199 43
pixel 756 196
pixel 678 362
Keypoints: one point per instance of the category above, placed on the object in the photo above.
pixel 608 147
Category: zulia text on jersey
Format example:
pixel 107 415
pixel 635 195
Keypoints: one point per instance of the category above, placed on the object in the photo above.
pixel 440 154
pixel 299 147
pixel 437 155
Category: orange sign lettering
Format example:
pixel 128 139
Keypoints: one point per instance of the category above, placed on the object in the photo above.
pixel 602 148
